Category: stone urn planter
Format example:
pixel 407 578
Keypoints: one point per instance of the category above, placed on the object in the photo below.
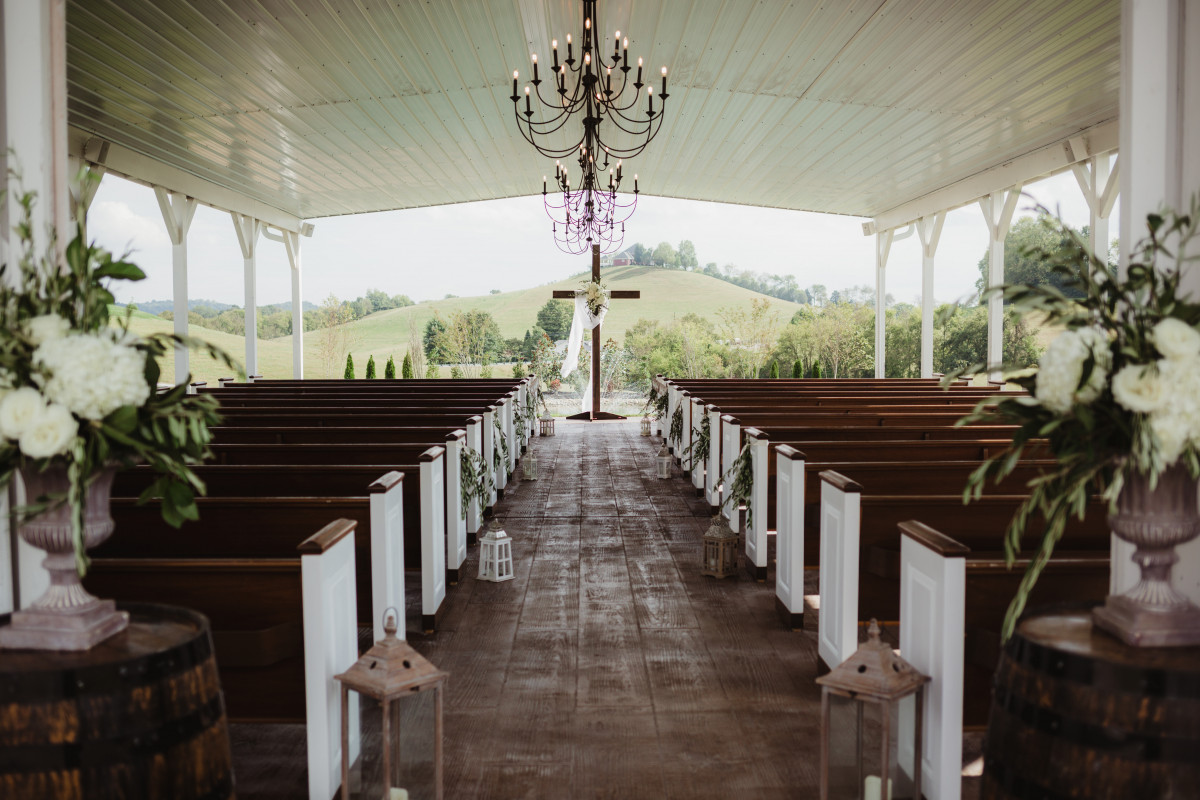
pixel 66 616
pixel 1155 520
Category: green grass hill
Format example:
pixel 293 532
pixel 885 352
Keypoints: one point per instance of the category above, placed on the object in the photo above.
pixel 666 295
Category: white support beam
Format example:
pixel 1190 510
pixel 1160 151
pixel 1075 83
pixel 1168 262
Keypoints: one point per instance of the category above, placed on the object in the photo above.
pixel 883 248
pixel 134 166
pixel 177 211
pixel 291 242
pixel 1040 163
pixel 998 208
pixel 248 229
pixel 33 94
pixel 1098 181
pixel 929 231
pixel 1160 126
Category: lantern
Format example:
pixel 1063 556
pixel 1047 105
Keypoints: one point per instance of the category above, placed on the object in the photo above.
pixel 495 557
pixel 645 426
pixel 388 672
pixel 546 425
pixel 529 467
pixel 720 556
pixel 664 462
pixel 871 726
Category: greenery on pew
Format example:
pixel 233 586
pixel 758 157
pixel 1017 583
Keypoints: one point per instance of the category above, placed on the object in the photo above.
pixel 500 451
pixel 740 482
pixel 1116 395
pixel 656 402
pixel 698 450
pixel 677 425
pixel 476 480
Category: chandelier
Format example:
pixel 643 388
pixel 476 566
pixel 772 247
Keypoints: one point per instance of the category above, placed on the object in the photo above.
pixel 591 213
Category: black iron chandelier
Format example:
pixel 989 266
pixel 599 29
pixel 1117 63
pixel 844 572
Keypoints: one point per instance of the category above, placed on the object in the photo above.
pixel 591 213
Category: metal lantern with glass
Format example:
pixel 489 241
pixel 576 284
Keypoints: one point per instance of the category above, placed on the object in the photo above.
pixel 720 550
pixel 529 466
pixel 495 556
pixel 663 462
pixel 645 426
pixel 546 426
pixel 388 673
pixel 871 725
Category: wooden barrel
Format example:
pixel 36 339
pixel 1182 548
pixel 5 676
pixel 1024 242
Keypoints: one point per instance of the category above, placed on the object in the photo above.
pixel 138 716
pixel 1077 713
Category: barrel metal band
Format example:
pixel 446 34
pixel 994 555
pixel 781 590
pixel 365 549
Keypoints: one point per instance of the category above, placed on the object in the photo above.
pixel 1104 677
pixel 1125 744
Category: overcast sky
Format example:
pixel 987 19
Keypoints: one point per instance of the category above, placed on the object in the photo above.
pixel 472 248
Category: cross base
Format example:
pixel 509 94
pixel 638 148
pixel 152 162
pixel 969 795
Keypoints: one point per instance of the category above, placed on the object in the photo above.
pixel 595 416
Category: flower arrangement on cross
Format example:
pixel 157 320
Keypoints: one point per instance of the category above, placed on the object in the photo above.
pixel 596 295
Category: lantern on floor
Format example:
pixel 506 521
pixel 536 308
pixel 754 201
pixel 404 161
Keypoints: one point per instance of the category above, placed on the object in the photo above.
pixel 645 426
pixel 529 466
pixel 495 557
pixel 664 462
pixel 546 425
pixel 871 725
pixel 720 555
pixel 387 673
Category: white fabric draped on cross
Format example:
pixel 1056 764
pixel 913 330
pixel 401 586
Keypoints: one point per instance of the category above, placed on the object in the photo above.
pixel 583 319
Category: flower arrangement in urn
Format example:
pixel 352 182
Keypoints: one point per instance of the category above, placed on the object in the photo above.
pixel 78 400
pixel 1116 398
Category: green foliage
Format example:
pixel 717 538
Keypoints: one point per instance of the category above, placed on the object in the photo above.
pixel 798 369
pixel 740 480
pixel 699 449
pixel 486 371
pixel 431 371
pixel 434 349
pixel 518 370
pixel 371 367
pixel 456 372
pixel 349 373
pixel 774 369
pixel 816 370
pixel 555 318
pixel 1097 444
pixel 476 480
pixel 500 451
pixel 389 369
pixel 406 367
pixel 1031 249
pixel 676 432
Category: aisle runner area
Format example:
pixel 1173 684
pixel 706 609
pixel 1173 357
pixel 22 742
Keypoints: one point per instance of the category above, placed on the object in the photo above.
pixel 610 667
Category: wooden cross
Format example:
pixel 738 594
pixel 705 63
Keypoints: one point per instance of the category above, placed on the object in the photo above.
pixel 625 294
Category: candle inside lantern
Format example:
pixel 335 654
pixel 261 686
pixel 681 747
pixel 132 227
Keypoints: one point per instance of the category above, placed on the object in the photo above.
pixel 873 788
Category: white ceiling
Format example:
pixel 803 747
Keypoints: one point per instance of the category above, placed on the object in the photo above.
pixel 325 107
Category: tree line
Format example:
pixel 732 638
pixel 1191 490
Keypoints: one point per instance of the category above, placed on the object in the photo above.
pixel 275 321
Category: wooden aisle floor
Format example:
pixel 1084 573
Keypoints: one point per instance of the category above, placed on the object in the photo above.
pixel 609 667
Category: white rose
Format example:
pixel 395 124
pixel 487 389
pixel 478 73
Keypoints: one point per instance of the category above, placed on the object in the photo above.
pixel 19 410
pixel 50 434
pixel 1175 339
pixel 1171 430
pixel 47 328
pixel 1060 381
pixel 92 375
pixel 1139 388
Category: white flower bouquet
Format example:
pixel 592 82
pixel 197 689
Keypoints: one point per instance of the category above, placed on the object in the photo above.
pixel 596 295
pixel 79 391
pixel 1116 394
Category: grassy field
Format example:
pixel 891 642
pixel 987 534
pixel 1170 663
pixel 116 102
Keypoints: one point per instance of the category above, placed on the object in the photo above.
pixel 666 295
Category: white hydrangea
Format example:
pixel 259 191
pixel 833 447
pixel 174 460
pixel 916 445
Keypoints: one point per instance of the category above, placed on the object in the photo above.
pixel 1139 388
pixel 18 411
pixel 1176 423
pixel 92 375
pixel 50 434
pixel 1176 340
pixel 46 328
pixel 1061 369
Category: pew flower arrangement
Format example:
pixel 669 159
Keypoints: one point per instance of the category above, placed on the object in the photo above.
pixel 699 449
pixel 80 393
pixel 1117 394
pixel 476 483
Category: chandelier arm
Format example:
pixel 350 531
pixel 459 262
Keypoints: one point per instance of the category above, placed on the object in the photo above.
pixel 543 127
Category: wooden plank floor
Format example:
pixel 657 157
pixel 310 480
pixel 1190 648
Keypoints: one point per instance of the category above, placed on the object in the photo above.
pixel 609 667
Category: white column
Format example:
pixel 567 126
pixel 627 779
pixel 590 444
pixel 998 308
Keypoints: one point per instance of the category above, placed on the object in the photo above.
pixel 998 208
pixel 177 211
pixel 247 232
pixel 1160 164
pixel 33 117
pixel 929 231
pixel 1098 179
pixel 293 246
pixel 883 247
